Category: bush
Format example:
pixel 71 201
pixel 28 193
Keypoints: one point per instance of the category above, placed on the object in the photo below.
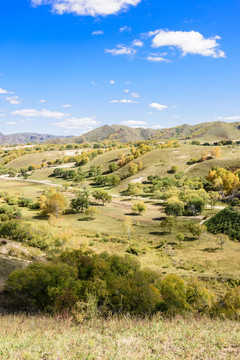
pixel 48 287
pixel 174 207
pixel 227 221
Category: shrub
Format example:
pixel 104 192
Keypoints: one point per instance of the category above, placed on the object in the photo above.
pixel 139 208
pixel 49 287
pixel 174 207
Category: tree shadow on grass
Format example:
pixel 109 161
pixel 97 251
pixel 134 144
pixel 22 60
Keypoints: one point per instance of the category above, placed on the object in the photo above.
pixel 131 214
pixel 159 233
pixel 154 203
pixel 211 250
pixel 86 218
pixel 39 217
pixel 159 219
pixel 188 238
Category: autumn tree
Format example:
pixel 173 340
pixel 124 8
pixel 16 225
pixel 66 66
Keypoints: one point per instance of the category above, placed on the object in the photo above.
pixel 224 181
pixel 132 169
pixel 52 203
pixel 216 152
pixel 204 155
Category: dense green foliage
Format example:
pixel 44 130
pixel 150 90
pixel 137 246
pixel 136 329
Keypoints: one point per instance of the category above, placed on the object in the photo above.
pixel 226 222
pixel 117 284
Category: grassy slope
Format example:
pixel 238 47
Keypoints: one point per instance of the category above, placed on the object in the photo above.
pixel 201 258
pixel 38 338
pixel 209 131
pixel 29 159
pixel 158 162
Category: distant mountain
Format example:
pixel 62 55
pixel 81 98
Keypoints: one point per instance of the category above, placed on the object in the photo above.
pixel 116 133
pixel 209 131
pixel 24 138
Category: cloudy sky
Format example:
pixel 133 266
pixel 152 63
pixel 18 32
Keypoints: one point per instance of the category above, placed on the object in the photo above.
pixel 68 66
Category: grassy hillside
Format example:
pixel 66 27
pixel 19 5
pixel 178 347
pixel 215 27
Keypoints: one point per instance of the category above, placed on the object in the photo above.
pixel 158 249
pixel 38 338
pixel 210 132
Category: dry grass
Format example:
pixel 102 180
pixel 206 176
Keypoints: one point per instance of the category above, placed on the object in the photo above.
pixel 35 338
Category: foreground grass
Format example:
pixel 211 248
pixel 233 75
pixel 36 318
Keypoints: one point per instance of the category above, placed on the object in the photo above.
pixel 56 339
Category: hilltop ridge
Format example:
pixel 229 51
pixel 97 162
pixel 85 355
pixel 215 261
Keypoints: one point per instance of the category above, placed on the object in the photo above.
pixel 207 131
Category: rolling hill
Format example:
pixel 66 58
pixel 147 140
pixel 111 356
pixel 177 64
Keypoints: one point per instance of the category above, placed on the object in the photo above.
pixel 23 138
pixel 210 132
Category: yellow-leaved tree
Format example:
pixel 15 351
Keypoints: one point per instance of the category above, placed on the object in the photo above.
pixel 224 181
pixel 53 203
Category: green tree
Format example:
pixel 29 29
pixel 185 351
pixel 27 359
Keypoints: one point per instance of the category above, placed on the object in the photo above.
pixel 45 285
pixel 174 207
pixel 139 208
pixel 180 237
pixel 102 195
pixel 132 169
pixel 91 212
pixel 169 222
pixel 113 167
pixel 195 205
pixel 213 198
pixel 80 203
pixel 196 230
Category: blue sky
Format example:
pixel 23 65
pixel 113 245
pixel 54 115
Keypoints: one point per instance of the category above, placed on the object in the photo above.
pixel 68 66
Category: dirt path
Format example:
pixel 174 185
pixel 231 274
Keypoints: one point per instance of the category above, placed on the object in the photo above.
pixel 190 167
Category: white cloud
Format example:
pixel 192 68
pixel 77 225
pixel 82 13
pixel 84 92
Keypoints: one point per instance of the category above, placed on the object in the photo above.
pixel 98 32
pixel 176 117
pixel 188 42
pixel 125 28
pixel 3 115
pixel 158 106
pixel 123 101
pixel 87 7
pixel 112 82
pixel 42 101
pixel 135 95
pixel 134 123
pixel 10 123
pixel 66 106
pixel 157 59
pixel 228 118
pixel 126 91
pixel 14 100
pixel 2 91
pixel 121 50
pixel 39 113
pixel 150 113
pixel 73 123
pixel 137 43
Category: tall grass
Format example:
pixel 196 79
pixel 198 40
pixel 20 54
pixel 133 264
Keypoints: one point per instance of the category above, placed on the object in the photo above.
pixel 39 337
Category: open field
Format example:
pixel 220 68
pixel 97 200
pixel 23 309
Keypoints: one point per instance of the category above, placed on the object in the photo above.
pixel 158 249
pixel 35 338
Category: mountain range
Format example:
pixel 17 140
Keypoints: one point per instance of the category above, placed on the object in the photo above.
pixel 208 131
pixel 204 132
pixel 24 138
